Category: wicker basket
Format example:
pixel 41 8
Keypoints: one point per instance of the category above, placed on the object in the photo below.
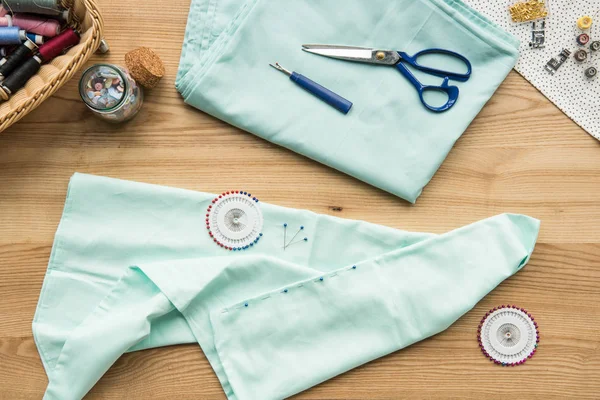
pixel 86 17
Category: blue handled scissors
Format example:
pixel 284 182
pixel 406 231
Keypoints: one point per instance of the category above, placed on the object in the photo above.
pixel 399 59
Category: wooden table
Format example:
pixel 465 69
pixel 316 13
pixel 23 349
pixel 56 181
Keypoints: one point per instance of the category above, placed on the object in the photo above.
pixel 521 155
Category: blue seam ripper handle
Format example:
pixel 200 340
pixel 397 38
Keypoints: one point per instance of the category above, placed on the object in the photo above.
pixel 333 99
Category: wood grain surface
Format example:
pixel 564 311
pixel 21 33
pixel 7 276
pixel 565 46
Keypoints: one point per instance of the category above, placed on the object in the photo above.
pixel 521 155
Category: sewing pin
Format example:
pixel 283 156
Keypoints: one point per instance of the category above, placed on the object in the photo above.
pixel 297 241
pixel 294 237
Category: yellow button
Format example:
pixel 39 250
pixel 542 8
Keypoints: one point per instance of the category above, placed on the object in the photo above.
pixel 584 22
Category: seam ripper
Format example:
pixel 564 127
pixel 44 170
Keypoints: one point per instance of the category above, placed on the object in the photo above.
pixel 329 97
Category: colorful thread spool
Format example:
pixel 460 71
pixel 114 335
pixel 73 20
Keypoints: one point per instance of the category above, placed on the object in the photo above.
pixel 54 47
pixel 16 58
pixel 41 26
pixel 584 23
pixel 583 39
pixel 57 45
pixel 6 20
pixel 46 7
pixel 12 35
pixel 580 56
pixel 37 39
pixel 19 77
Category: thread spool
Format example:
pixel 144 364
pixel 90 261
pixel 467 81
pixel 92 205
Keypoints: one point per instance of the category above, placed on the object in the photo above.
pixel 17 58
pixel 37 39
pixel 3 10
pixel 12 35
pixel 580 56
pixel 64 16
pixel 6 20
pixel 584 22
pixel 19 78
pixel 46 7
pixel 583 39
pixel 104 47
pixel 55 46
pixel 41 26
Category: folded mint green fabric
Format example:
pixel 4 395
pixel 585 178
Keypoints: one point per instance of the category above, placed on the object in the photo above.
pixel 132 267
pixel 388 139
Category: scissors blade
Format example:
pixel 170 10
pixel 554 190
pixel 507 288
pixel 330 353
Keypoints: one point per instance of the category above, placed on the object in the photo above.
pixel 352 53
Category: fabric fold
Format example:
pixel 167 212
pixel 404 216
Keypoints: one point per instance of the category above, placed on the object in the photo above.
pixel 389 139
pixel 271 323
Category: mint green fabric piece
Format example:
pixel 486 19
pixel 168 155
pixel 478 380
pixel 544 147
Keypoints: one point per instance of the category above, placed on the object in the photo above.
pixel 388 139
pixel 132 267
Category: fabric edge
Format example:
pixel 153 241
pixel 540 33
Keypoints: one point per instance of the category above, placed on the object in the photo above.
pixel 53 254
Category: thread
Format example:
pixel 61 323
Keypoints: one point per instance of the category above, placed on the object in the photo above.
pixel 6 20
pixel 55 46
pixel 19 77
pixel 37 39
pixel 17 58
pixel 41 26
pixel 584 22
pixel 46 7
pixel 11 35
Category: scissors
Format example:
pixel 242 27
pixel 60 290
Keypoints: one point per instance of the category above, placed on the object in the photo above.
pixel 399 59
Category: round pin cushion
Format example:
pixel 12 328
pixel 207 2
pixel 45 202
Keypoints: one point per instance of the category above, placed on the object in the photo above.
pixel 508 335
pixel 234 220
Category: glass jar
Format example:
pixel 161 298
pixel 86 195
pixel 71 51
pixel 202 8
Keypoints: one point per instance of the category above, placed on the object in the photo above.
pixel 110 92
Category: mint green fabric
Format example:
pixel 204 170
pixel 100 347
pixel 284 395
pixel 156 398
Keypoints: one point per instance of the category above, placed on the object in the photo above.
pixel 388 139
pixel 132 267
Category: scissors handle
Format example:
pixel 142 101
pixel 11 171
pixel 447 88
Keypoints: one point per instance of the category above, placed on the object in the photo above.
pixel 412 61
pixel 451 91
